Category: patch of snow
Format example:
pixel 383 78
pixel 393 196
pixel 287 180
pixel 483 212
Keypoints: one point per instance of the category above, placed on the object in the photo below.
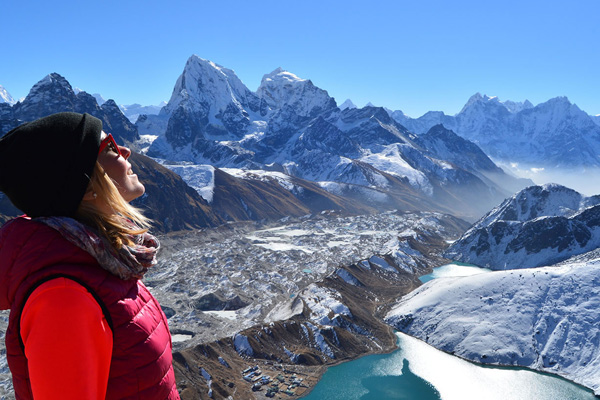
pixel 205 374
pixel 282 179
pixel 200 177
pixel 223 314
pixel 323 303
pixel 320 341
pixel 347 277
pixel 283 247
pixel 180 338
pixel 224 362
pixel 337 243
pixel 381 263
pixel 242 345
pixel 347 104
pixel 285 310
pixel 365 264
pixel 5 97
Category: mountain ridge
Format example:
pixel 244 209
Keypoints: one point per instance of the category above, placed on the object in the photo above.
pixel 552 134
pixel 212 118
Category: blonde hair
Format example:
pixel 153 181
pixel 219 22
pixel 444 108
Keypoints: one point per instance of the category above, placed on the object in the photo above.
pixel 115 226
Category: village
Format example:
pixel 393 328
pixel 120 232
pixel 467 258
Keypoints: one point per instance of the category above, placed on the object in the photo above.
pixel 286 383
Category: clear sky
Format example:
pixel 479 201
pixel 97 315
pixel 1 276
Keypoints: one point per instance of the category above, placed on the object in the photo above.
pixel 413 55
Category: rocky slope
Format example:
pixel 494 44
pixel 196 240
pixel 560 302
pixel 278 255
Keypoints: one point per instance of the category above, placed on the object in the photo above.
pixel 538 226
pixel 294 297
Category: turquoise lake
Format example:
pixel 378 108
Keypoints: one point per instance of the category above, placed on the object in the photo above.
pixel 417 371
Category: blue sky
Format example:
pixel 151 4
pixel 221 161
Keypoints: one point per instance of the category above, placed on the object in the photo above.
pixel 413 56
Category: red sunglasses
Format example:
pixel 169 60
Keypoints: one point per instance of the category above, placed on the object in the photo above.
pixel 112 145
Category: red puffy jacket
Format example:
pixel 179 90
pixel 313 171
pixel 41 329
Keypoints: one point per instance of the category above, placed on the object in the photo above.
pixel 141 363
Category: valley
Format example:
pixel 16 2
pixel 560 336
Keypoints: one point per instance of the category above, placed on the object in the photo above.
pixel 301 295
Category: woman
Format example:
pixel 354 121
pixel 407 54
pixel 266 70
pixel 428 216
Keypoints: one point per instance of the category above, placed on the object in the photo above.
pixel 82 324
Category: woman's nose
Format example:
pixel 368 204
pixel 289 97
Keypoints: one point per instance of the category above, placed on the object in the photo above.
pixel 125 152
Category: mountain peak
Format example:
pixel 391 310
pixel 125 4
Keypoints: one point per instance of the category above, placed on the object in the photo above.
pixel 279 74
pixel 195 60
pixel 484 100
pixel 280 88
pixel 347 104
pixel 559 100
pixel 478 98
pixel 52 79
pixel 5 97
pixel 203 83
pixel 561 105
pixel 52 88
pixel 515 107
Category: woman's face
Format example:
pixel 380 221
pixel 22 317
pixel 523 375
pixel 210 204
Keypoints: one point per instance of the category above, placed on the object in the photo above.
pixel 119 170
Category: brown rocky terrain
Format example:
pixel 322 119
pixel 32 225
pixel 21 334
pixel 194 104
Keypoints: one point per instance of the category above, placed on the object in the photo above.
pixel 218 367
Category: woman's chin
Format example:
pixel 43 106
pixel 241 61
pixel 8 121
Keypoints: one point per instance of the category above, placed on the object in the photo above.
pixel 131 195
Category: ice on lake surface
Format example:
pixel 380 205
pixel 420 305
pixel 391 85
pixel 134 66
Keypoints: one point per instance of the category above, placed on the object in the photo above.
pixel 417 371
pixel 454 270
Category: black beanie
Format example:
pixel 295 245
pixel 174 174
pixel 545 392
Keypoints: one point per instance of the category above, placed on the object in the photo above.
pixel 46 164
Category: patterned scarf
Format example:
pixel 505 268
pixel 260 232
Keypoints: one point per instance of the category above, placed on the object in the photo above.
pixel 130 262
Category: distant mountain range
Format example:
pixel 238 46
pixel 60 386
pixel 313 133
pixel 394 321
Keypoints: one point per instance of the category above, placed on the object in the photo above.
pixel 554 134
pixel 131 111
pixel 376 158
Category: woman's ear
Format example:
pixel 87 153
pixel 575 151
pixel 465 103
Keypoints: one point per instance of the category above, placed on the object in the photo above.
pixel 89 195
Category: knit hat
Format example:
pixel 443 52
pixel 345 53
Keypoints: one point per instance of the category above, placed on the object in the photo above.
pixel 46 164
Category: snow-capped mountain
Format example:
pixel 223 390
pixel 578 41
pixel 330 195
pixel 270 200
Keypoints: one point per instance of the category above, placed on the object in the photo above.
pixel 553 134
pixel 99 99
pixel 596 119
pixel 54 94
pixel 282 88
pixel 215 99
pixel 237 196
pixel 5 97
pixel 541 318
pixel 347 104
pixel 538 226
pixel 291 126
pixel 133 111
